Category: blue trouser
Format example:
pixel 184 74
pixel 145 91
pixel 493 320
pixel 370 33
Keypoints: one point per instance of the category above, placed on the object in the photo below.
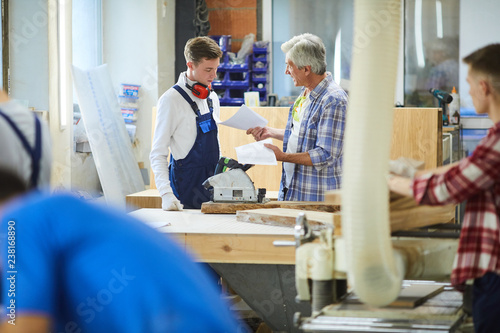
pixel 486 303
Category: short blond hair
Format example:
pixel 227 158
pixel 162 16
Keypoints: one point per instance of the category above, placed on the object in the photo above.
pixel 200 48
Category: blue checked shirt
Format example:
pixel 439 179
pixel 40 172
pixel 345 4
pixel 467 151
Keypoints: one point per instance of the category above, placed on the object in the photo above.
pixel 321 135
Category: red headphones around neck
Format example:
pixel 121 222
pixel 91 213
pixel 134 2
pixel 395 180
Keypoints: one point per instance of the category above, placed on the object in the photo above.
pixel 199 90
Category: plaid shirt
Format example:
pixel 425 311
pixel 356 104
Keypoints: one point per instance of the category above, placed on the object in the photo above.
pixel 321 135
pixel 477 180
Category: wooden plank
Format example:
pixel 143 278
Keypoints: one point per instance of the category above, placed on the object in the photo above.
pixel 421 216
pixel 232 208
pixel 285 217
pixel 246 249
pixel 144 199
pixel 416 294
pixel 334 197
pixel 404 213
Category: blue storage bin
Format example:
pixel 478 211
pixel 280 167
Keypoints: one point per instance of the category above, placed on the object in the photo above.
pixel 218 85
pixel 260 67
pixel 224 42
pixel 238 80
pixel 234 67
pixel 260 57
pixel 221 93
pixel 262 93
pixel 220 81
pixel 259 77
pixel 233 97
pixel 260 47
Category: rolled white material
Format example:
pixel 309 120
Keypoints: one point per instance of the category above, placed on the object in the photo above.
pixel 373 269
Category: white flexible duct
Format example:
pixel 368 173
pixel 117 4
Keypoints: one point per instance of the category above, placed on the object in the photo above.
pixel 373 269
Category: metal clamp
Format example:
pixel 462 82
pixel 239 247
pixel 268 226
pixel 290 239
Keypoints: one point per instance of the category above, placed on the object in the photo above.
pixel 303 233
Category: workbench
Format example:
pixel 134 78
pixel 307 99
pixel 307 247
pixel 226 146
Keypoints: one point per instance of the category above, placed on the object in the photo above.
pixel 243 254
pixel 219 238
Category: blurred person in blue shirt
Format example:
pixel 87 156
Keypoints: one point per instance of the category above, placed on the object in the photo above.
pixel 72 266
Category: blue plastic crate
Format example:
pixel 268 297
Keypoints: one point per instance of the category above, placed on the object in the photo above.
pixel 259 86
pixel 224 42
pixel 259 77
pixel 260 47
pixel 220 81
pixel 238 80
pixel 218 85
pixel 233 97
pixel 262 93
pixel 235 67
pixel 260 57
pixel 260 67
pixel 232 101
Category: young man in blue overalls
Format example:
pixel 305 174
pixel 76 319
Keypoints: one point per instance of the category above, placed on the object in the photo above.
pixel 185 128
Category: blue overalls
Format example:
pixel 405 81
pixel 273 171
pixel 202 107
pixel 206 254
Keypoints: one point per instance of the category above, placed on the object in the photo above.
pixel 187 175
pixel 35 153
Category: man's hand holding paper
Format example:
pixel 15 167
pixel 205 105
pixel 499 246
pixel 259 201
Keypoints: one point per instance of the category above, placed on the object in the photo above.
pixel 257 153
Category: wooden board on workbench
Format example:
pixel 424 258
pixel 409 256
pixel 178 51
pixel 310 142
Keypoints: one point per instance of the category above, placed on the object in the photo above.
pixel 285 217
pixel 404 212
pixel 144 199
pixel 231 208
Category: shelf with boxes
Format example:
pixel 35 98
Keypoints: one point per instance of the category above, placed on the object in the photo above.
pixel 129 105
pixel 235 76
pixel 234 79
pixel 260 69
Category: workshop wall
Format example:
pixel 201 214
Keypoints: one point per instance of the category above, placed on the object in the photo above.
pixel 138 38
pixel 233 17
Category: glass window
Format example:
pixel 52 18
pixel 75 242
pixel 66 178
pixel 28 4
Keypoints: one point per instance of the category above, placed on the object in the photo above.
pixel 87 34
pixel 431 49
pixel 294 17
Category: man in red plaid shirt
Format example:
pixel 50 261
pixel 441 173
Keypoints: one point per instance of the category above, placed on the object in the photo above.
pixel 477 180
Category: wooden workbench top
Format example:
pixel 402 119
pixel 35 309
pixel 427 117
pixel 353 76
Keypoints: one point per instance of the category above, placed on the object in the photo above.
pixel 218 238
pixel 192 221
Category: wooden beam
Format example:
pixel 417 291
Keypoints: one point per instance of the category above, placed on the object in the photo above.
pixel 245 249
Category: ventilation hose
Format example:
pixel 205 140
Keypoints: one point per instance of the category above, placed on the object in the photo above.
pixel 375 270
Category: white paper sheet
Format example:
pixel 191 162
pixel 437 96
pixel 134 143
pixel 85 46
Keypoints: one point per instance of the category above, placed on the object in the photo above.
pixel 244 119
pixel 256 153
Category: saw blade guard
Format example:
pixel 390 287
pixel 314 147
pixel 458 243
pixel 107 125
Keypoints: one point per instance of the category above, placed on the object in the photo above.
pixel 231 186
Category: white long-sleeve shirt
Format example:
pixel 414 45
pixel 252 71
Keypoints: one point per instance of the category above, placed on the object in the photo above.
pixel 13 155
pixel 175 129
